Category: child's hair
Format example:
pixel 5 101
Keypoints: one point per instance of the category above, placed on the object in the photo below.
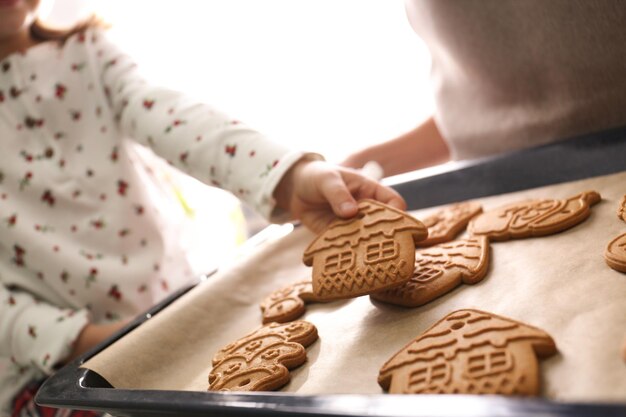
pixel 40 31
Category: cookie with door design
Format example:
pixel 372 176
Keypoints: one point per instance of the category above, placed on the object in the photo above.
pixel 470 352
pixel 445 224
pixel 288 303
pixel 534 217
pixel 261 360
pixel 371 252
pixel 439 269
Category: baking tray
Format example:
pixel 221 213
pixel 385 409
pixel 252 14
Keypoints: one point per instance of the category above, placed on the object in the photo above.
pixel 582 157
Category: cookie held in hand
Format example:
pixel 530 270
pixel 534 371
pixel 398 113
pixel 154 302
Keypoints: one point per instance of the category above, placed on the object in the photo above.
pixel 533 218
pixel 615 253
pixel 261 360
pixel 373 251
pixel 287 304
pixel 470 352
pixel 445 224
pixel 439 269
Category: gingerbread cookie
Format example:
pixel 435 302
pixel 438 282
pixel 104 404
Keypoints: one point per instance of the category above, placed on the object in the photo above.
pixel 440 269
pixel 261 360
pixel 621 210
pixel 615 253
pixel 470 352
pixel 371 252
pixel 444 225
pixel 533 218
pixel 287 304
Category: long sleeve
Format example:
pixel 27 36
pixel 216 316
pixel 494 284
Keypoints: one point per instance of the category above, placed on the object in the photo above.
pixel 36 333
pixel 83 237
pixel 192 136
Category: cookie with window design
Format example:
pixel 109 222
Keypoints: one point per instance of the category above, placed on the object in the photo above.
pixel 470 352
pixel 439 269
pixel 261 360
pixel 371 252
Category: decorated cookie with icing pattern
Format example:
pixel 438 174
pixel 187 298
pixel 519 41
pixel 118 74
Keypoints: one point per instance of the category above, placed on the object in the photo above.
pixel 288 303
pixel 261 360
pixel 447 223
pixel 439 269
pixel 615 253
pixel 470 352
pixel 373 251
pixel 621 210
pixel 533 218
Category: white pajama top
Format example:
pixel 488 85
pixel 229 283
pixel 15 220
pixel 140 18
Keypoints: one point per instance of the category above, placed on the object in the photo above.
pixel 80 238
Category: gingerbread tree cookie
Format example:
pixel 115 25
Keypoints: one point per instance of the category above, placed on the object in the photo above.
pixel 533 218
pixel 371 252
pixel 287 304
pixel 445 224
pixel 470 352
pixel 440 269
pixel 261 360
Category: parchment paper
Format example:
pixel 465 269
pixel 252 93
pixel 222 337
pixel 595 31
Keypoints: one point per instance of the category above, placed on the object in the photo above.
pixel 558 283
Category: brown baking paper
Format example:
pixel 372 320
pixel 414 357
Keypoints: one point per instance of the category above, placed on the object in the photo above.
pixel 559 283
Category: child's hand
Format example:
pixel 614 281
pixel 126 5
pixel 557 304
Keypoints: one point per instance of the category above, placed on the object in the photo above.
pixel 316 193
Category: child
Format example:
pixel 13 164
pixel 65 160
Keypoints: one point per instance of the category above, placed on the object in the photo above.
pixel 81 247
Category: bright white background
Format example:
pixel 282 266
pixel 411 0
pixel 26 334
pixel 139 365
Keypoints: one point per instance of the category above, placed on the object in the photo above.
pixel 329 76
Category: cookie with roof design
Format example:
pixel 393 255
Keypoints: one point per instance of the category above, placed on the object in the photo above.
pixel 439 269
pixel 371 252
pixel 470 352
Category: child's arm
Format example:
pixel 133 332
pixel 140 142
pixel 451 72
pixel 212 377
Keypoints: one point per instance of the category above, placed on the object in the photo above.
pixel 422 147
pixel 90 336
pixel 220 151
pixel 34 332
pixel 194 137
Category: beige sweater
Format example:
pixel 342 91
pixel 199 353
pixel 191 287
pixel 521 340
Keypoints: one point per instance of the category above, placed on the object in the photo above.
pixel 510 74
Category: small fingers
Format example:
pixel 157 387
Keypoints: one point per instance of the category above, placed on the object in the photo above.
pixel 363 187
pixel 336 192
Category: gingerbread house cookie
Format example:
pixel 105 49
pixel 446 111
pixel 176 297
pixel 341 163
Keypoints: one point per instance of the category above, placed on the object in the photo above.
pixel 533 218
pixel 287 304
pixel 470 352
pixel 440 269
pixel 371 252
pixel 621 210
pixel 615 253
pixel 261 360
pixel 445 224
